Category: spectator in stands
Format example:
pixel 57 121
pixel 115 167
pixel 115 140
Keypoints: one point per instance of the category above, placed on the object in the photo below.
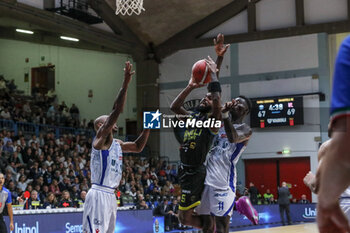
pixel 2 83
pixel 66 201
pixel 5 114
pixel 304 200
pixel 54 187
pixel 51 95
pixel 12 189
pixel 12 86
pixel 253 193
pixel 65 184
pixel 80 202
pixel 26 108
pixel 33 202
pixel 173 173
pixel 8 148
pixel 74 112
pixel 23 182
pixel 50 202
pixel 268 197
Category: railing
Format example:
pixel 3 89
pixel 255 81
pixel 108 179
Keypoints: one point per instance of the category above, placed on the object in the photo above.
pixel 30 129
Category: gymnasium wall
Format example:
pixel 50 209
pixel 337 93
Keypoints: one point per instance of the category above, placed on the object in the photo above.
pixel 286 66
pixel 76 72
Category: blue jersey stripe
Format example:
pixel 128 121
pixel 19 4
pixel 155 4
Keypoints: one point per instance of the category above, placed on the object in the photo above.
pixel 239 147
pixel 104 154
pixel 229 210
pixel 88 218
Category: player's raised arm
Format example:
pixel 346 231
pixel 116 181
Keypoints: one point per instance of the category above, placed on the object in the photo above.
pixel 177 105
pixel 220 49
pixel 118 107
pixel 238 134
pixel 137 145
pixel 215 89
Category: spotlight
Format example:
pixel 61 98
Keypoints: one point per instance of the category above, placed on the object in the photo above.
pixel 69 38
pixel 24 31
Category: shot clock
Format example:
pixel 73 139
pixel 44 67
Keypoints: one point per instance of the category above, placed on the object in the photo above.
pixel 277 111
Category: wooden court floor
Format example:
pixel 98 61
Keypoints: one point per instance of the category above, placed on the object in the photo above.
pixel 302 228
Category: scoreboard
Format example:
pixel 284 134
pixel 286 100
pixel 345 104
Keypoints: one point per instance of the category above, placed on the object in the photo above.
pixel 277 111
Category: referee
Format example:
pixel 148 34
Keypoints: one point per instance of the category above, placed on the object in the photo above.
pixel 5 198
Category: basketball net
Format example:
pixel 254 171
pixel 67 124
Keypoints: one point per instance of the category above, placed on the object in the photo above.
pixel 129 7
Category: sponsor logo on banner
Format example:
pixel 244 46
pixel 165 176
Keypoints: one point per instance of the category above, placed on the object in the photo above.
pixel 310 213
pixel 70 228
pixel 27 229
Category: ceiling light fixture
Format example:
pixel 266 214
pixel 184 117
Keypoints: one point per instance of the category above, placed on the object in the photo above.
pixel 24 31
pixel 69 38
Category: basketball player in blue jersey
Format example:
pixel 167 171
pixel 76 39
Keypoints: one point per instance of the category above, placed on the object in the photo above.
pixel 5 200
pixel 100 208
pixel 218 198
pixel 333 173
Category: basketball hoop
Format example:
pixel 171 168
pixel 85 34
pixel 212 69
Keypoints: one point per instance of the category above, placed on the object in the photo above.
pixel 128 7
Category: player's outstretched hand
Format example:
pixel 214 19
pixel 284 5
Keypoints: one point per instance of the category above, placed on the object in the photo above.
pixel 310 182
pixel 220 47
pixel 211 64
pixel 128 71
pixel 332 219
pixel 195 85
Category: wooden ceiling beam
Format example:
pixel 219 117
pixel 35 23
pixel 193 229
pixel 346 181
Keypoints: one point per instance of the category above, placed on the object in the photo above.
pixel 188 36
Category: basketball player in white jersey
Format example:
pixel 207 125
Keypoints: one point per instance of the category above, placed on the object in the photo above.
pixel 100 208
pixel 313 184
pixel 218 198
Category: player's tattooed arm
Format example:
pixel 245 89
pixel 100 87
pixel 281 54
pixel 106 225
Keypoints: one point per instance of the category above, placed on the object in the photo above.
pixel 118 105
pixel 215 89
pixel 177 105
pixel 137 145
pixel 220 49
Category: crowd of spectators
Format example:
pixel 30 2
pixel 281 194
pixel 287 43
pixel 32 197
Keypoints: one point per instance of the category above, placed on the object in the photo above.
pixel 42 171
pixel 39 108
pixel 267 198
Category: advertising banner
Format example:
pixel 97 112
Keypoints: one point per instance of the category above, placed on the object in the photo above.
pixel 127 221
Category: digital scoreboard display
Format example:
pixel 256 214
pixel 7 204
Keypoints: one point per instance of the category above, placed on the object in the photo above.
pixel 277 111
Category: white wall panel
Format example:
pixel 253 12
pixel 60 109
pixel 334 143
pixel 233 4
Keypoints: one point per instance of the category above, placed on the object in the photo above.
pixel 291 53
pixel 279 87
pixel 322 11
pixel 177 67
pixel 235 25
pixel 272 14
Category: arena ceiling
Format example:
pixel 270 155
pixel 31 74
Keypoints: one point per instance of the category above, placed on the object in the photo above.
pixel 165 27
pixel 162 19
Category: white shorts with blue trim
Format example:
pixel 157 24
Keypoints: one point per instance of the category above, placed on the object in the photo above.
pixel 100 210
pixel 216 202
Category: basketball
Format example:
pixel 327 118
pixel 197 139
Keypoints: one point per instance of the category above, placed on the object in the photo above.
pixel 201 72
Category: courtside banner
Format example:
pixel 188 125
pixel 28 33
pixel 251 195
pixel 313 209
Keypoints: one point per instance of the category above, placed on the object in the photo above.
pixel 140 221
